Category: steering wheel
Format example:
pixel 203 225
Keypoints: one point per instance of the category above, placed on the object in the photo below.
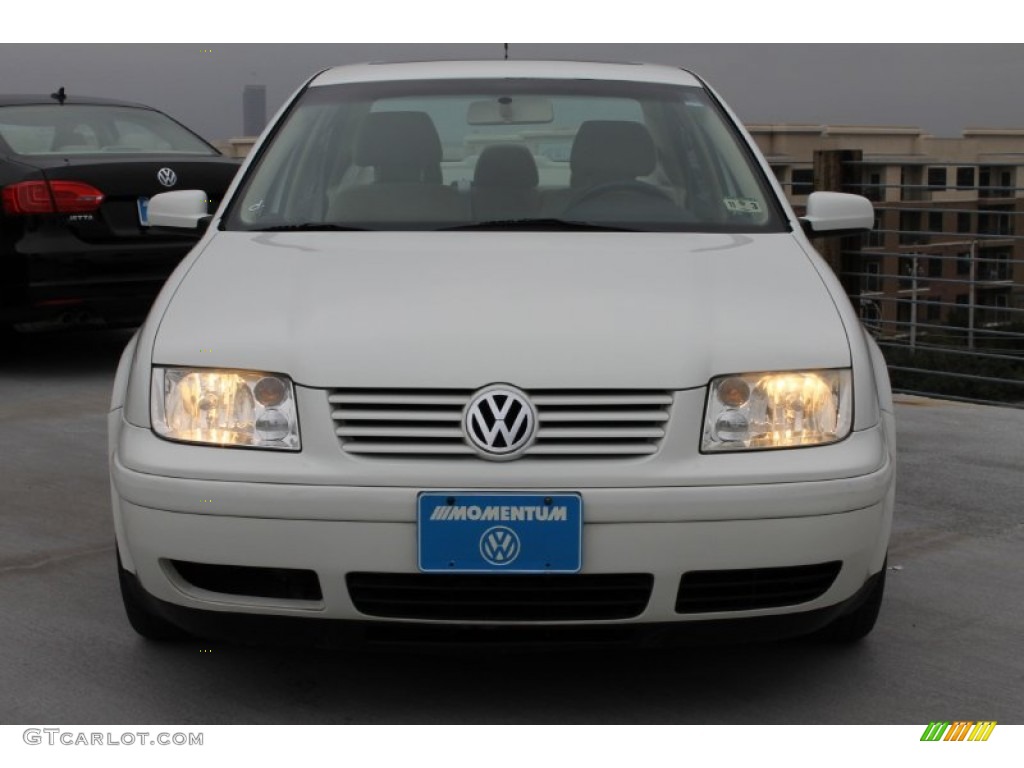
pixel 630 185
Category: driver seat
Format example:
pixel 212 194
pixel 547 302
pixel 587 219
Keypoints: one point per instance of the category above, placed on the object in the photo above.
pixel 604 152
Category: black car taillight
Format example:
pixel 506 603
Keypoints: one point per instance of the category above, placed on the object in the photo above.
pixel 28 197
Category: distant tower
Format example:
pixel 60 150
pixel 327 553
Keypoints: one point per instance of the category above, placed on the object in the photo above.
pixel 254 109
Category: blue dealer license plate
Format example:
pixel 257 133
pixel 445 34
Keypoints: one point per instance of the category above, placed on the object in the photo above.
pixel 508 532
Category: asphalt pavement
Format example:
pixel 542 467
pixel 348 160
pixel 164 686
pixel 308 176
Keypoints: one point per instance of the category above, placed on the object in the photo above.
pixel 947 646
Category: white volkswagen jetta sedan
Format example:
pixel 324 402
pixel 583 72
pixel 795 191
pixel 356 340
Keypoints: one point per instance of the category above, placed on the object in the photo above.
pixel 524 347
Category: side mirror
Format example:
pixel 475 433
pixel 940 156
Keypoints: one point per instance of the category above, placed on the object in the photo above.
pixel 836 214
pixel 184 209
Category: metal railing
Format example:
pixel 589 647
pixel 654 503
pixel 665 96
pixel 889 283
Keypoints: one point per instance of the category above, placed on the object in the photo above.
pixel 940 284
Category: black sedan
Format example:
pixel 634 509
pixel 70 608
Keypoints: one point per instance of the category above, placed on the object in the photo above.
pixel 76 175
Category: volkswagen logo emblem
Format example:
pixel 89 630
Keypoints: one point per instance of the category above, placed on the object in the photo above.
pixel 499 545
pixel 167 177
pixel 499 422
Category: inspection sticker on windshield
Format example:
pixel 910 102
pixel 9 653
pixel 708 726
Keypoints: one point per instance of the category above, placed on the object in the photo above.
pixel 742 205
pixel 143 205
pixel 508 532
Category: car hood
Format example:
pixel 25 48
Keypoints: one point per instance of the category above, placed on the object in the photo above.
pixel 537 310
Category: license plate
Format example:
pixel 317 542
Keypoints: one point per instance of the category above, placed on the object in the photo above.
pixel 506 533
pixel 143 204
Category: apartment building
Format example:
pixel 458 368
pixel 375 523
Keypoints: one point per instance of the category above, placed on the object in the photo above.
pixel 947 248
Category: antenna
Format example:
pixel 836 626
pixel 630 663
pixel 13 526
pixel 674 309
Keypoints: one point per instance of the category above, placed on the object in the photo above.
pixel 60 96
pixel 506 51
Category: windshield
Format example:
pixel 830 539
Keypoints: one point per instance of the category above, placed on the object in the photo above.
pixel 515 153
pixel 69 129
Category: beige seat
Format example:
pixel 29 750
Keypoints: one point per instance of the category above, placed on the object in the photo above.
pixel 505 184
pixel 404 150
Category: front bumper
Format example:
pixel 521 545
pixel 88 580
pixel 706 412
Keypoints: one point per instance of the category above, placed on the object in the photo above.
pixel 337 530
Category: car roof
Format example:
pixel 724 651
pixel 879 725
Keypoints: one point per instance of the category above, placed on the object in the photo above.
pixel 498 68
pixel 28 99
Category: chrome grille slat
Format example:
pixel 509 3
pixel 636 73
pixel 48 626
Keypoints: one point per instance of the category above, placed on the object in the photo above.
pixel 563 433
pixel 545 417
pixel 407 448
pixel 634 449
pixel 407 432
pixel 396 415
pixel 587 424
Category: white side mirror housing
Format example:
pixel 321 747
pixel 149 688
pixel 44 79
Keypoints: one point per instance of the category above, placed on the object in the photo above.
pixel 837 213
pixel 183 209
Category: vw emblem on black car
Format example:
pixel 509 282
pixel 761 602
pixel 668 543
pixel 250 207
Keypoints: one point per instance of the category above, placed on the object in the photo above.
pixel 167 177
pixel 499 545
pixel 500 422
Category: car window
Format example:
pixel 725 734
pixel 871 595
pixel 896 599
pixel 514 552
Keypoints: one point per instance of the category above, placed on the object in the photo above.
pixel 45 129
pixel 451 154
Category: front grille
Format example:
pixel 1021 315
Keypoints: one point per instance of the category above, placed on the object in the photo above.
pixel 286 583
pixel 752 588
pixel 570 424
pixel 500 597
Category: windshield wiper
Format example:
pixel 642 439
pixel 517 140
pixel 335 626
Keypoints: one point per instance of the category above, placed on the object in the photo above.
pixel 308 227
pixel 543 225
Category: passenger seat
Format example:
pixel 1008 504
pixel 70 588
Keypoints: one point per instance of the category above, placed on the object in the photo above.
pixel 404 150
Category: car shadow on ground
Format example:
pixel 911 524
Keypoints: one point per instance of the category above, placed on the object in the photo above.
pixel 65 353
pixel 743 683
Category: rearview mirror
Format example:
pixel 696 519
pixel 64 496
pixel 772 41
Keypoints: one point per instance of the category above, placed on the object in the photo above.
pixel 521 110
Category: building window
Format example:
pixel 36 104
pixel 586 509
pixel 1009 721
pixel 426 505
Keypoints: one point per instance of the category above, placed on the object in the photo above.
pixel 876 237
pixel 963 264
pixel 937 178
pixel 910 228
pixel 873 279
pixel 934 309
pixel 965 177
pixel 934 221
pixel 873 190
pixel 935 267
pixel 903 312
pixel 1006 184
pixel 803 181
pixel 963 222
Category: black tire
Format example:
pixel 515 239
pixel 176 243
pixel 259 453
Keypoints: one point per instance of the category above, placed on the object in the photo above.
pixel 140 615
pixel 857 624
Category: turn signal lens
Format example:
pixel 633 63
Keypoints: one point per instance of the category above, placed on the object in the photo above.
pixel 777 410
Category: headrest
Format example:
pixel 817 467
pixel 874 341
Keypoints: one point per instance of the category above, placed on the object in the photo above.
pixel 611 150
pixel 404 145
pixel 506 165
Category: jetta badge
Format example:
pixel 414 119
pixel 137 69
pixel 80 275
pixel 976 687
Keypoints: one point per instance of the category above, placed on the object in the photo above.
pixel 167 177
pixel 499 422
pixel 499 545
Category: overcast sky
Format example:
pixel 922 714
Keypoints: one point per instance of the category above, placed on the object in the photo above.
pixel 942 88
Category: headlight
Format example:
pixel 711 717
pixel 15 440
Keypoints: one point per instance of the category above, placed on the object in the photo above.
pixel 237 408
pixel 777 410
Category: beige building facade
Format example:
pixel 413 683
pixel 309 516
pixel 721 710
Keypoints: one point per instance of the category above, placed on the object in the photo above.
pixel 947 246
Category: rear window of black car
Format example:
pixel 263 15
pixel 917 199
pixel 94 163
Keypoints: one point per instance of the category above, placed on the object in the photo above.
pixel 45 129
